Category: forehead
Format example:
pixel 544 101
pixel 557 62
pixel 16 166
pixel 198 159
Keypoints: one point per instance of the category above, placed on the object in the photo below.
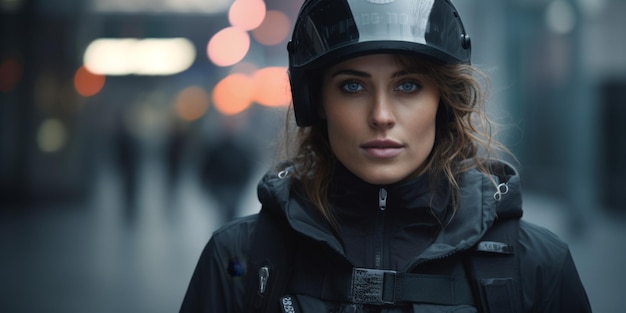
pixel 392 62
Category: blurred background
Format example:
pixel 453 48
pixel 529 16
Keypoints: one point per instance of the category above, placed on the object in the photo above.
pixel 110 112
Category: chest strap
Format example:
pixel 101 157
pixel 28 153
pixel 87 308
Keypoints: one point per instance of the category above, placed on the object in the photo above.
pixel 385 287
pixel 370 286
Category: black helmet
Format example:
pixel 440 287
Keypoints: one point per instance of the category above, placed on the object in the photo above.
pixel 329 31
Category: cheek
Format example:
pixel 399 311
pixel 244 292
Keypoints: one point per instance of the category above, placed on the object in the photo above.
pixel 340 121
pixel 343 135
pixel 423 129
pixel 338 132
pixel 424 133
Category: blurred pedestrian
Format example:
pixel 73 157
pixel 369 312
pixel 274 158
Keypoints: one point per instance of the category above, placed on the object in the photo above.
pixel 175 152
pixel 126 151
pixel 394 199
pixel 226 168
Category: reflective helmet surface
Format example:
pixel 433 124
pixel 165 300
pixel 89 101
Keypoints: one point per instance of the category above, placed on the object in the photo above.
pixel 330 31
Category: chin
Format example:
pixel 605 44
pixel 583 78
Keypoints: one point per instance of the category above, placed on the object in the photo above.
pixel 387 176
pixel 383 179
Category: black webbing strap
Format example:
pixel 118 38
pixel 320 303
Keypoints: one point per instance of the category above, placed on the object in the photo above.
pixel 434 289
pixel 269 265
pixel 382 287
pixel 495 269
pixel 389 287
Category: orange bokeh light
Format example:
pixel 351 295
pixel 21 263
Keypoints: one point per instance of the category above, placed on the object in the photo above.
pixel 274 29
pixel 10 74
pixel 191 103
pixel 247 14
pixel 233 94
pixel 228 46
pixel 272 86
pixel 86 83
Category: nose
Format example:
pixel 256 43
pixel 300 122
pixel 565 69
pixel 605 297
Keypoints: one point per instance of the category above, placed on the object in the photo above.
pixel 381 114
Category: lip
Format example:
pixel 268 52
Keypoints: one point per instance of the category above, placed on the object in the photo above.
pixel 382 148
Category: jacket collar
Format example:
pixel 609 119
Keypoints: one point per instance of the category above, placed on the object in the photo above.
pixel 478 208
pixel 481 203
pixel 352 195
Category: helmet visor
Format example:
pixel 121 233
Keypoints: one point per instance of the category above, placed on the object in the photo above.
pixel 337 29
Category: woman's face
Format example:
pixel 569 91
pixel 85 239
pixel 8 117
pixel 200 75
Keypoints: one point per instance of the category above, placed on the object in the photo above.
pixel 381 117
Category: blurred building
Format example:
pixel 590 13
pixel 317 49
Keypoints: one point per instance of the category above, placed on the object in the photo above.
pixel 59 119
pixel 557 68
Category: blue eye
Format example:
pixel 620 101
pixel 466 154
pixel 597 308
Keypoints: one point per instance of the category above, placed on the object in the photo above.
pixel 352 86
pixel 408 87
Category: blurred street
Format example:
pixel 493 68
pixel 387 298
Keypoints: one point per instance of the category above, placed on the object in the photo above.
pixel 95 257
pixel 129 128
pixel 98 257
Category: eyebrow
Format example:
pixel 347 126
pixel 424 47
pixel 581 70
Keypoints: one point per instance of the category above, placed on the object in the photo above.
pixel 351 73
pixel 365 74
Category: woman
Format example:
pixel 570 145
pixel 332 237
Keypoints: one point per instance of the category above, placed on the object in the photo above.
pixel 391 200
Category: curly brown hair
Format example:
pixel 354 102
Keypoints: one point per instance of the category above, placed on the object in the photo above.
pixel 463 138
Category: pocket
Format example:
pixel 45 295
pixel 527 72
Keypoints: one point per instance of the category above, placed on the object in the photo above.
pixel 500 294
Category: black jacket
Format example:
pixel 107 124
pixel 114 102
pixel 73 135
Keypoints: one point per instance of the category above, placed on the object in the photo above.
pixel 412 232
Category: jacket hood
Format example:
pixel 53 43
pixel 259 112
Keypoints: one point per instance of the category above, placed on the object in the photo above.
pixel 280 194
pixel 482 199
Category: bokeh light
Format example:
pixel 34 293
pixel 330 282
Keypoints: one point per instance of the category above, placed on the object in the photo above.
pixel 233 94
pixel 274 29
pixel 51 136
pixel 560 17
pixel 10 74
pixel 158 6
pixel 163 56
pixel 150 56
pixel 228 46
pixel 272 86
pixel 191 103
pixel 87 83
pixel 110 56
pixel 247 14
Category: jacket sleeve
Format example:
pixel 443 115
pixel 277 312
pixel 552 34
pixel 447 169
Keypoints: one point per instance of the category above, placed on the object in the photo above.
pixel 208 289
pixel 218 281
pixel 573 297
pixel 549 276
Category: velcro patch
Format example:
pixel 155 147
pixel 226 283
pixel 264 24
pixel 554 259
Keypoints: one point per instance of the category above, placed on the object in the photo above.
pixel 494 247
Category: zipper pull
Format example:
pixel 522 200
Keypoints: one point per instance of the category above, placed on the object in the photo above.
pixel 264 275
pixel 382 199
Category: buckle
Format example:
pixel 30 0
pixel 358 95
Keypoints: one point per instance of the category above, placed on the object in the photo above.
pixel 372 286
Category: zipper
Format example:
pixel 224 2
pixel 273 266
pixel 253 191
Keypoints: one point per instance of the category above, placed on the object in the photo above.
pixel 380 228
pixel 264 275
pixel 382 199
